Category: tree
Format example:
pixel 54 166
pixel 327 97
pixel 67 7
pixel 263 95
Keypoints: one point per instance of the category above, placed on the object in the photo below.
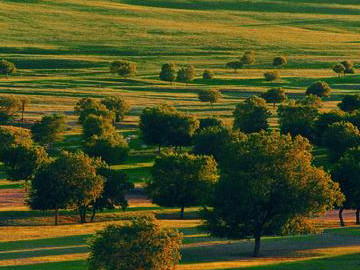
pixel 209 122
pixel 49 129
pixel 248 58
pixel 347 173
pixel 320 89
pixel 181 180
pixel 274 95
pixel 310 101
pixel 97 126
pixel 326 119
pixel 116 186
pixel 168 72
pixel 25 101
pixel 112 148
pixel 350 103
pixel 22 162
pixel 117 105
pixel 140 245
pixel 297 119
pixel 251 115
pixel 267 183
pixel 9 106
pixel 349 67
pixel 279 61
pixel 272 76
pixel 235 65
pixel 209 95
pixel 7 68
pixel 186 75
pixel 123 68
pixel 208 74
pixel 13 136
pixel 340 137
pixel 339 69
pixel 86 106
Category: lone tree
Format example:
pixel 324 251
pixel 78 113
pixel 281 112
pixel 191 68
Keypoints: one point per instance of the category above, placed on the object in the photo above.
pixel 272 76
pixel 339 69
pixel 182 180
pixel 208 74
pixel 142 244
pixel 274 95
pixel 251 115
pixel 123 68
pixel 347 173
pixel 350 103
pixel 168 72
pixel 340 137
pixel 25 101
pixel 209 95
pixel 279 61
pixel 7 68
pixel 320 89
pixel 117 105
pixel 349 67
pixel 235 65
pixel 248 58
pixel 268 185
pixel 49 130
pixel 186 75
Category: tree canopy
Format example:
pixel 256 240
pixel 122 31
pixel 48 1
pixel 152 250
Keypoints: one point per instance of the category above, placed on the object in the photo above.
pixel 123 68
pixel 49 129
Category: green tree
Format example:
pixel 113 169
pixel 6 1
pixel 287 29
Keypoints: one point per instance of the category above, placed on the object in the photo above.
pixel 210 122
pixel 235 65
pixel 248 58
pixel 7 68
pixel 326 119
pixel 349 67
pixel 142 244
pixel 274 95
pixel 311 101
pixel 25 101
pixel 9 106
pixel 279 61
pixel 208 74
pixel 168 72
pixel 117 105
pixel 13 136
pixel 112 148
pixel 340 137
pixel 186 75
pixel 182 180
pixel 350 103
pixel 97 126
pixel 339 69
pixel 267 182
pixel 209 95
pixel 49 129
pixel 320 89
pixel 347 173
pixel 123 68
pixel 272 76
pixel 251 115
pixel 86 106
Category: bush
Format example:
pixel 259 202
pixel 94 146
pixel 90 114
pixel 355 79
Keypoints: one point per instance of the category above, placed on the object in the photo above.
pixel 320 89
pixel 7 67
pixel 208 75
pixel 279 61
pixel 271 76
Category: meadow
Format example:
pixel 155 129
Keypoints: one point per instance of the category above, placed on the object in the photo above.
pixel 62 50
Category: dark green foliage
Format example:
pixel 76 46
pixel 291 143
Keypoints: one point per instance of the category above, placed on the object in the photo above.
pixel 123 68
pixel 320 89
pixel 349 67
pixel 97 126
pixel 49 130
pixel 7 67
pixel 339 69
pixel 210 122
pixel 272 76
pixel 251 115
pixel 9 107
pixel 117 105
pixel 267 182
pixel 340 137
pixel 182 180
pixel 274 95
pixel 142 244
pixel 325 120
pixel 186 75
pixel 209 95
pixel 279 61
pixel 311 101
pixel 298 119
pixel 13 136
pixel 86 106
pixel 112 148
pixel 116 186
pixel 22 162
pixel 208 74
pixel 350 103
pixel 211 141
pixel 235 65
pixel 168 72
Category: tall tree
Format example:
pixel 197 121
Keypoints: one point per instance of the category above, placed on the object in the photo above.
pixel 267 181
pixel 25 101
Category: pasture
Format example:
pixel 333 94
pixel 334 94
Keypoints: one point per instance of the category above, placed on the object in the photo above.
pixel 62 50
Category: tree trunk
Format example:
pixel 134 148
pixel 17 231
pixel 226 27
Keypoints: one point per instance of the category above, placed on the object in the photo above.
pixel 257 246
pixel 82 214
pixel 357 216
pixel 93 214
pixel 56 216
pixel 182 212
pixel 22 114
pixel 342 224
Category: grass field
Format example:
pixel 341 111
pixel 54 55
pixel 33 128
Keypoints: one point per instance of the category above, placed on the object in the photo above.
pixel 62 50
